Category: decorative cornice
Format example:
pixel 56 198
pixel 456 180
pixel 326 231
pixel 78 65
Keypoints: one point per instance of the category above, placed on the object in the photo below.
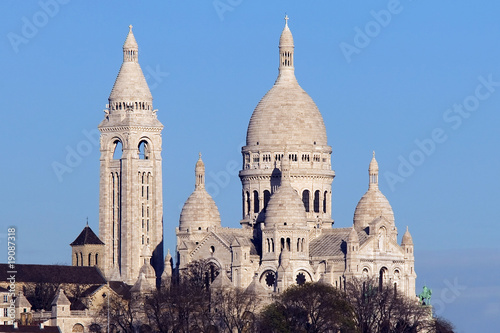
pixel 129 128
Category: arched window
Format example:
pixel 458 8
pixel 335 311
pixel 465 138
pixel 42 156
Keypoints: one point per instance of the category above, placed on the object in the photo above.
pixel 96 262
pixel 288 244
pixel 324 201
pixel 118 150
pixel 305 199
pixel 81 259
pixel 77 328
pixel 143 150
pixel 282 243
pixel 382 279
pixel 76 255
pixel 316 201
pixel 267 196
pixel 248 203
pixel 255 201
pixel 90 258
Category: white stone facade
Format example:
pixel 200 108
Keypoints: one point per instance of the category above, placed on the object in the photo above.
pixel 130 203
pixel 287 236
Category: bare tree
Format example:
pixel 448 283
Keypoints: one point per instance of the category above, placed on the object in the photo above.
pixel 40 294
pixel 186 305
pixel 312 307
pixel 442 325
pixel 384 309
pixel 121 313
pixel 235 309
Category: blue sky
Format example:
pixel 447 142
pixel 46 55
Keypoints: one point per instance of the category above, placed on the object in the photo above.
pixel 416 81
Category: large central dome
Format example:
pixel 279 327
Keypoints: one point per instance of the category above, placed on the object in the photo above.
pixel 286 115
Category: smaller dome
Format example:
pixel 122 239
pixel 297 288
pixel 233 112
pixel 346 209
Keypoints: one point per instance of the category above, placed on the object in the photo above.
pixel 407 239
pixel 285 205
pixel 373 203
pixel 200 211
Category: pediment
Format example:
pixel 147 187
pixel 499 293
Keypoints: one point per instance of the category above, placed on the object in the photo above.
pixel 211 239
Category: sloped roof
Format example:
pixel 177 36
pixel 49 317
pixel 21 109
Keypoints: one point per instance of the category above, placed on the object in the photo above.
pixel 332 242
pixel 54 274
pixel 60 298
pixel 142 285
pixel 221 281
pixel 121 288
pixel 87 236
pixel 244 238
pixel 22 301
pixel 256 288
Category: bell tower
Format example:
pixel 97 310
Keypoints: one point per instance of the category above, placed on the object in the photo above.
pixel 130 198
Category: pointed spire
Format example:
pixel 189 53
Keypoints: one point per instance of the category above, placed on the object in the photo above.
pixel 199 172
pixel 407 239
pixel 142 285
pixel 353 236
pixel 167 270
pixel 221 282
pixel 255 287
pixel 130 47
pixel 130 91
pixel 373 173
pixel 60 298
pixel 286 48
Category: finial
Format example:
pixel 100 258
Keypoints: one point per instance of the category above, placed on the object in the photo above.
pixel 373 154
pixel 130 28
pixel 406 228
pixel 286 19
pixel 87 221
pixel 199 155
